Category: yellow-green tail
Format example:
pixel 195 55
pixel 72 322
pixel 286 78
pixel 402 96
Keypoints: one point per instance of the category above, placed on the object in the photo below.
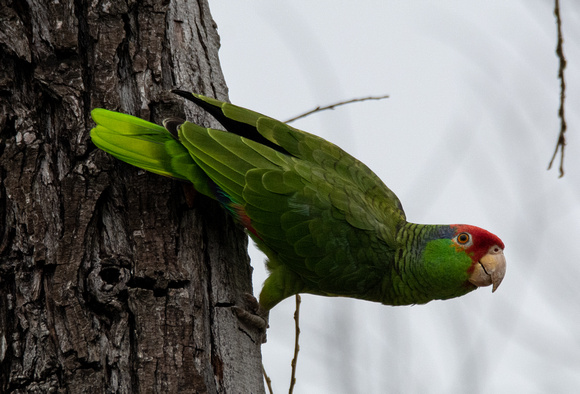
pixel 141 143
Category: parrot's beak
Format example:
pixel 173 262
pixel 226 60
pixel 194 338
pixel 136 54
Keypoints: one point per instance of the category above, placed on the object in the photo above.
pixel 490 269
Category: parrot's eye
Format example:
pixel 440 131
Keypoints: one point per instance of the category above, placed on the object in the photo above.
pixel 463 238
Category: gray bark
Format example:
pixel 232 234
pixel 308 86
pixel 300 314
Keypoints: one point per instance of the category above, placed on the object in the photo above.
pixel 109 281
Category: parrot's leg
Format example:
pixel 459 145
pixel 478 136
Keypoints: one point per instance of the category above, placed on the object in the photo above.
pixel 252 315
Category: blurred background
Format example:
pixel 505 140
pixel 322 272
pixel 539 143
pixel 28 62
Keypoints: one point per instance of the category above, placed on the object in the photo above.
pixel 465 137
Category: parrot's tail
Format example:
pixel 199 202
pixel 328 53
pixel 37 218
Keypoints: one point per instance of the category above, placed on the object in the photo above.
pixel 142 144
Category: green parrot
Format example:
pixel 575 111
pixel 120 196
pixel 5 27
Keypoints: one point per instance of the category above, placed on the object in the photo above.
pixel 327 224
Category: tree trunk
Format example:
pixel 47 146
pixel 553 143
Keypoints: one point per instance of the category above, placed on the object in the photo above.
pixel 109 281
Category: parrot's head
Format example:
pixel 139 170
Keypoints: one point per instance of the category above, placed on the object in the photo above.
pixel 461 258
pixel 485 251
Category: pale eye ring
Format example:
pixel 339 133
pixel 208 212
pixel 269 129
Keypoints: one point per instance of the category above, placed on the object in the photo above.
pixel 463 238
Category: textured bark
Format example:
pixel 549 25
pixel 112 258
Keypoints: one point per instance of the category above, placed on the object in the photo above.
pixel 109 281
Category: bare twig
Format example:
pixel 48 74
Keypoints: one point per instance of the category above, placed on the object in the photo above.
pixel 561 144
pixel 332 106
pixel 296 346
pixel 268 380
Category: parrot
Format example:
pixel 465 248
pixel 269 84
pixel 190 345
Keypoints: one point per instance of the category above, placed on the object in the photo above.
pixel 326 223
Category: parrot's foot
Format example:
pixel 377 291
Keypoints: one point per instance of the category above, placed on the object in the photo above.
pixel 251 315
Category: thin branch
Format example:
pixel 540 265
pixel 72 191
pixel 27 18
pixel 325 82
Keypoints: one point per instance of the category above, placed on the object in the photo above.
pixel 561 144
pixel 296 346
pixel 332 106
pixel 268 380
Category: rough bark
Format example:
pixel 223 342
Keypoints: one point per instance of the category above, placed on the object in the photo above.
pixel 109 281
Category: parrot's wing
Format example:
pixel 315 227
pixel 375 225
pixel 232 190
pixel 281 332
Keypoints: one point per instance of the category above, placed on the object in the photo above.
pixel 326 222
pixel 320 233
pixel 147 146
pixel 344 174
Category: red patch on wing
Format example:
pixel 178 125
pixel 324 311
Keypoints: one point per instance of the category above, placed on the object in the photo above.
pixel 235 209
pixel 241 215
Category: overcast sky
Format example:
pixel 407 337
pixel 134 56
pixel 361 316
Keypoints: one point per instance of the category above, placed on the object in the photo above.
pixel 465 137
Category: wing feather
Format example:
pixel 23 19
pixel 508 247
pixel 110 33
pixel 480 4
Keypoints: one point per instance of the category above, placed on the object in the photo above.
pixel 380 199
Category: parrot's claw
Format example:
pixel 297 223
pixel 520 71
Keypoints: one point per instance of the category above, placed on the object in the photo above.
pixel 251 315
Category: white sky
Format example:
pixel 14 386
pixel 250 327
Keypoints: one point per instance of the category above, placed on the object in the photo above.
pixel 465 137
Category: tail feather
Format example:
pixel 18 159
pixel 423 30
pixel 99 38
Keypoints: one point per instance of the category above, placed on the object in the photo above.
pixel 146 145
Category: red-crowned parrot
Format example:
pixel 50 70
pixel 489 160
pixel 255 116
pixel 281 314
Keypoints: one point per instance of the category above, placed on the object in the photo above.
pixel 326 222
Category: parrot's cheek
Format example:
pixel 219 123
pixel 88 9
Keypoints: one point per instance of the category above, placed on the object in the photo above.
pixel 490 269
